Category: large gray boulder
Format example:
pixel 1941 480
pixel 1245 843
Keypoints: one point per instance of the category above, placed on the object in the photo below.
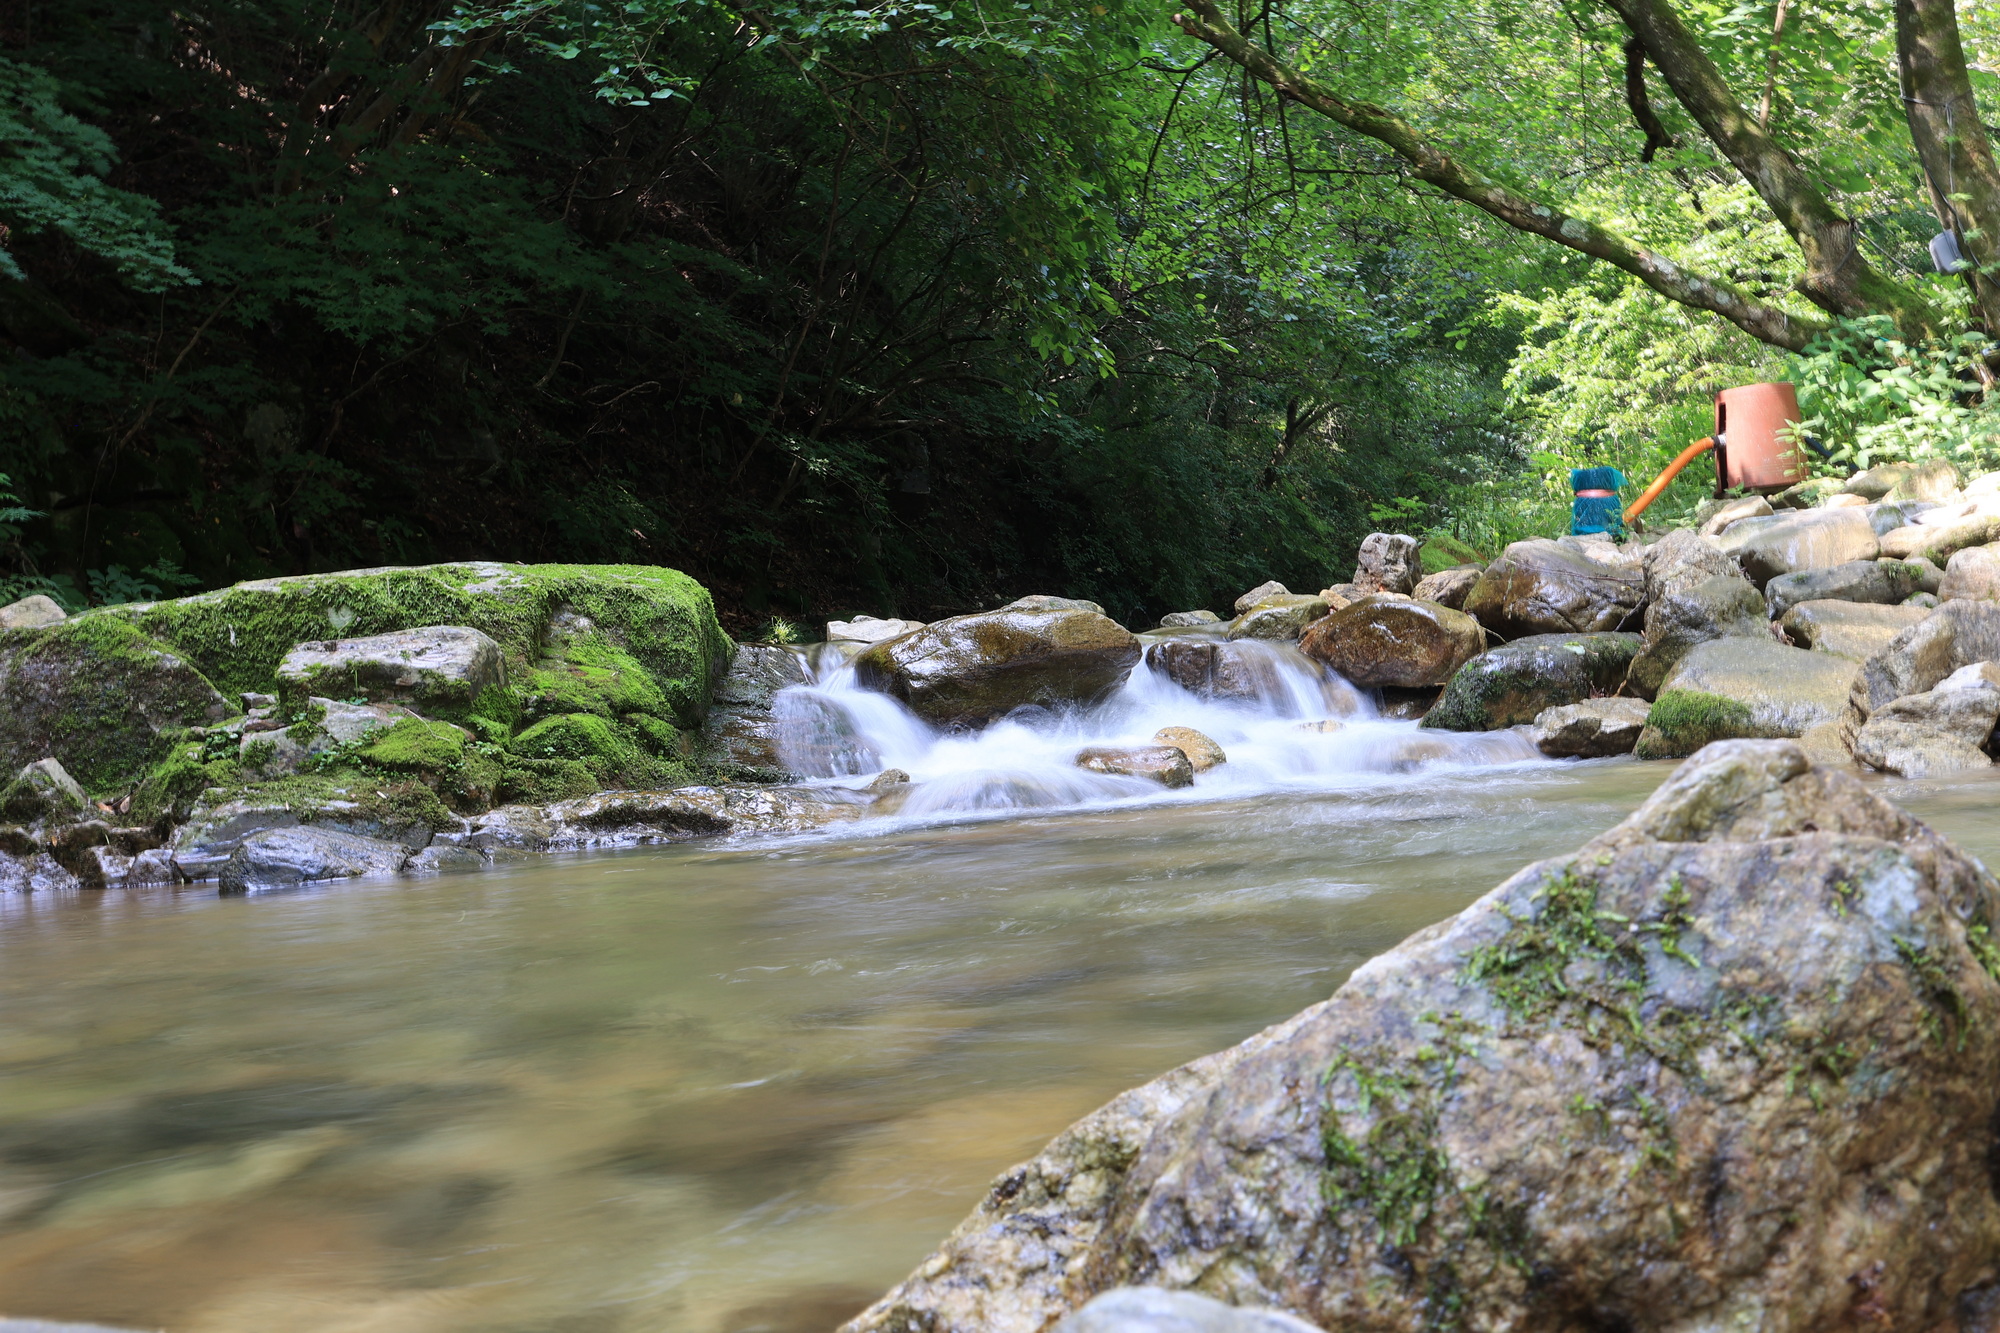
pixel 741 732
pixel 1884 582
pixel 435 668
pixel 1449 587
pixel 285 858
pixel 1744 688
pixel 1545 587
pixel 1942 730
pixel 1517 682
pixel 1800 539
pixel 969 670
pixel 1685 614
pixel 1955 635
pixel 1394 641
pixel 1387 562
pixel 1854 630
pixel 1729 1065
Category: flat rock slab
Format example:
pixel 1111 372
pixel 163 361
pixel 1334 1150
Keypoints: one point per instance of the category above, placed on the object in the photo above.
pixel 1744 688
pixel 1854 630
pixel 1800 539
pixel 285 858
pixel 435 667
pixel 1517 682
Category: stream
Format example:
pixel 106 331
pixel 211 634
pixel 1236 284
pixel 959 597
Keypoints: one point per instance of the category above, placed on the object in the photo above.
pixel 718 1087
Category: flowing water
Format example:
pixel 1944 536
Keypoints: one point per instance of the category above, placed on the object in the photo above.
pixel 719 1088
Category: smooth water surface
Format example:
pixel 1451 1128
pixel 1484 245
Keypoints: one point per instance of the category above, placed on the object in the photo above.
pixel 705 1088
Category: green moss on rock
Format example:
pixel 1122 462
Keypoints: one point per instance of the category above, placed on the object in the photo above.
pixel 413 745
pixel 1682 721
pixel 539 781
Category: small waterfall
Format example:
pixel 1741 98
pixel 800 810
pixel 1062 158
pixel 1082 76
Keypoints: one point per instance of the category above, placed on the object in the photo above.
pixel 1283 719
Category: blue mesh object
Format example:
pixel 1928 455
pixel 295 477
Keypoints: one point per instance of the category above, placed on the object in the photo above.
pixel 1596 513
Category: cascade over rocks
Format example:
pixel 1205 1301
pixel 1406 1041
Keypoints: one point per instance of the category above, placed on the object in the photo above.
pixel 1517 682
pixel 740 732
pixel 1773 1082
pixel 1212 669
pixel 1547 587
pixel 1394 641
pixel 968 670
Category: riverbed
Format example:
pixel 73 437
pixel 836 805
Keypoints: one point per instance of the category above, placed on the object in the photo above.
pixel 698 1089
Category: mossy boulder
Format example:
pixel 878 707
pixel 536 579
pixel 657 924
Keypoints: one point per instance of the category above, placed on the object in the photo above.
pixel 100 696
pixel 1515 683
pixel 1744 688
pixel 614 754
pixel 415 745
pixel 442 670
pixel 659 624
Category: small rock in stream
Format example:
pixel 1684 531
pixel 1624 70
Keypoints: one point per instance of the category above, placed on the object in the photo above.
pixel 1164 764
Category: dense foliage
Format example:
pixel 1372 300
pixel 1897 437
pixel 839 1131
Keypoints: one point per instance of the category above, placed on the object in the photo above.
pixel 889 309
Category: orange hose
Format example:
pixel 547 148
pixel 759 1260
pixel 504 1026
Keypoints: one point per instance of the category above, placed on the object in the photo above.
pixel 1661 482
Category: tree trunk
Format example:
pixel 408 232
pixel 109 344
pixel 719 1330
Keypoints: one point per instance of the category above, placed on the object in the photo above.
pixel 1950 141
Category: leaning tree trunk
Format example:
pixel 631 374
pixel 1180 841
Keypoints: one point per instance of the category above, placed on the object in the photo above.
pixel 1950 141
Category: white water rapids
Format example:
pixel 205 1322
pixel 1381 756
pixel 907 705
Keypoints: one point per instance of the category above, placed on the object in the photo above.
pixel 833 731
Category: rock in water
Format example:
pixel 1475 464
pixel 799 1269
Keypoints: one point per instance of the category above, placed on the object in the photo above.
pixel 1167 765
pixel 1800 539
pixel 969 670
pixel 1394 641
pixel 1729 1065
pixel 1744 688
pixel 1516 682
pixel 1262 592
pixel 1151 1310
pixel 1188 619
pixel 1885 582
pixel 284 858
pixel 1448 587
pixel 1942 730
pixel 1592 729
pixel 741 732
pixel 438 668
pixel 1202 752
pixel 1854 630
pixel 31 613
pixel 1276 617
pixel 1387 562
pixel 1543 587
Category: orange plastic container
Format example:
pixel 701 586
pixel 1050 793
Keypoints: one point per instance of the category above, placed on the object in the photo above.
pixel 1749 451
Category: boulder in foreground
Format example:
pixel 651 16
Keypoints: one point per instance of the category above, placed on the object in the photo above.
pixel 1729 1065
pixel 969 670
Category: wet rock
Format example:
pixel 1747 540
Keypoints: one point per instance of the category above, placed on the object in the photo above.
pixel 1262 592
pixel 1283 617
pixel 1324 726
pixel 1188 619
pixel 968 670
pixel 1167 765
pixel 889 777
pixel 1799 539
pixel 1394 642
pixel 1954 636
pixel 1854 630
pixel 443 859
pixel 1152 1310
pixel 283 858
pixel 154 867
pixel 436 668
pixel 518 828
pixel 636 818
pixel 1348 1164
pixel 103 867
pixel 100 697
pixel 1734 511
pixel 1743 688
pixel 1883 582
pixel 213 833
pixel 1045 602
pixel 1387 562
pixel 37 872
pixel 1938 543
pixel 43 791
pixel 1401 704
pixel 1682 559
pixel 815 737
pixel 1202 752
pixel 1942 730
pixel 868 629
pixel 1543 587
pixel 741 732
pixel 1517 682
pixel 31 613
pixel 1719 607
pixel 1972 574
pixel 1448 587
pixel 1591 729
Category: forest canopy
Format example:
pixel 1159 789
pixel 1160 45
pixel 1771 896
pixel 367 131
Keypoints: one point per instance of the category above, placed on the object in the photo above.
pixel 906 308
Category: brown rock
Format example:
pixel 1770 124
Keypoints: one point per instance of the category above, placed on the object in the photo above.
pixel 1591 729
pixel 1384 641
pixel 1449 587
pixel 1202 753
pixel 1972 574
pixel 1167 765
pixel 969 670
pixel 1280 617
pixel 1955 635
pixel 1939 542
pixel 1262 592
pixel 1799 539
pixel 1854 630
pixel 1755 506
pixel 1387 563
pixel 1542 587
